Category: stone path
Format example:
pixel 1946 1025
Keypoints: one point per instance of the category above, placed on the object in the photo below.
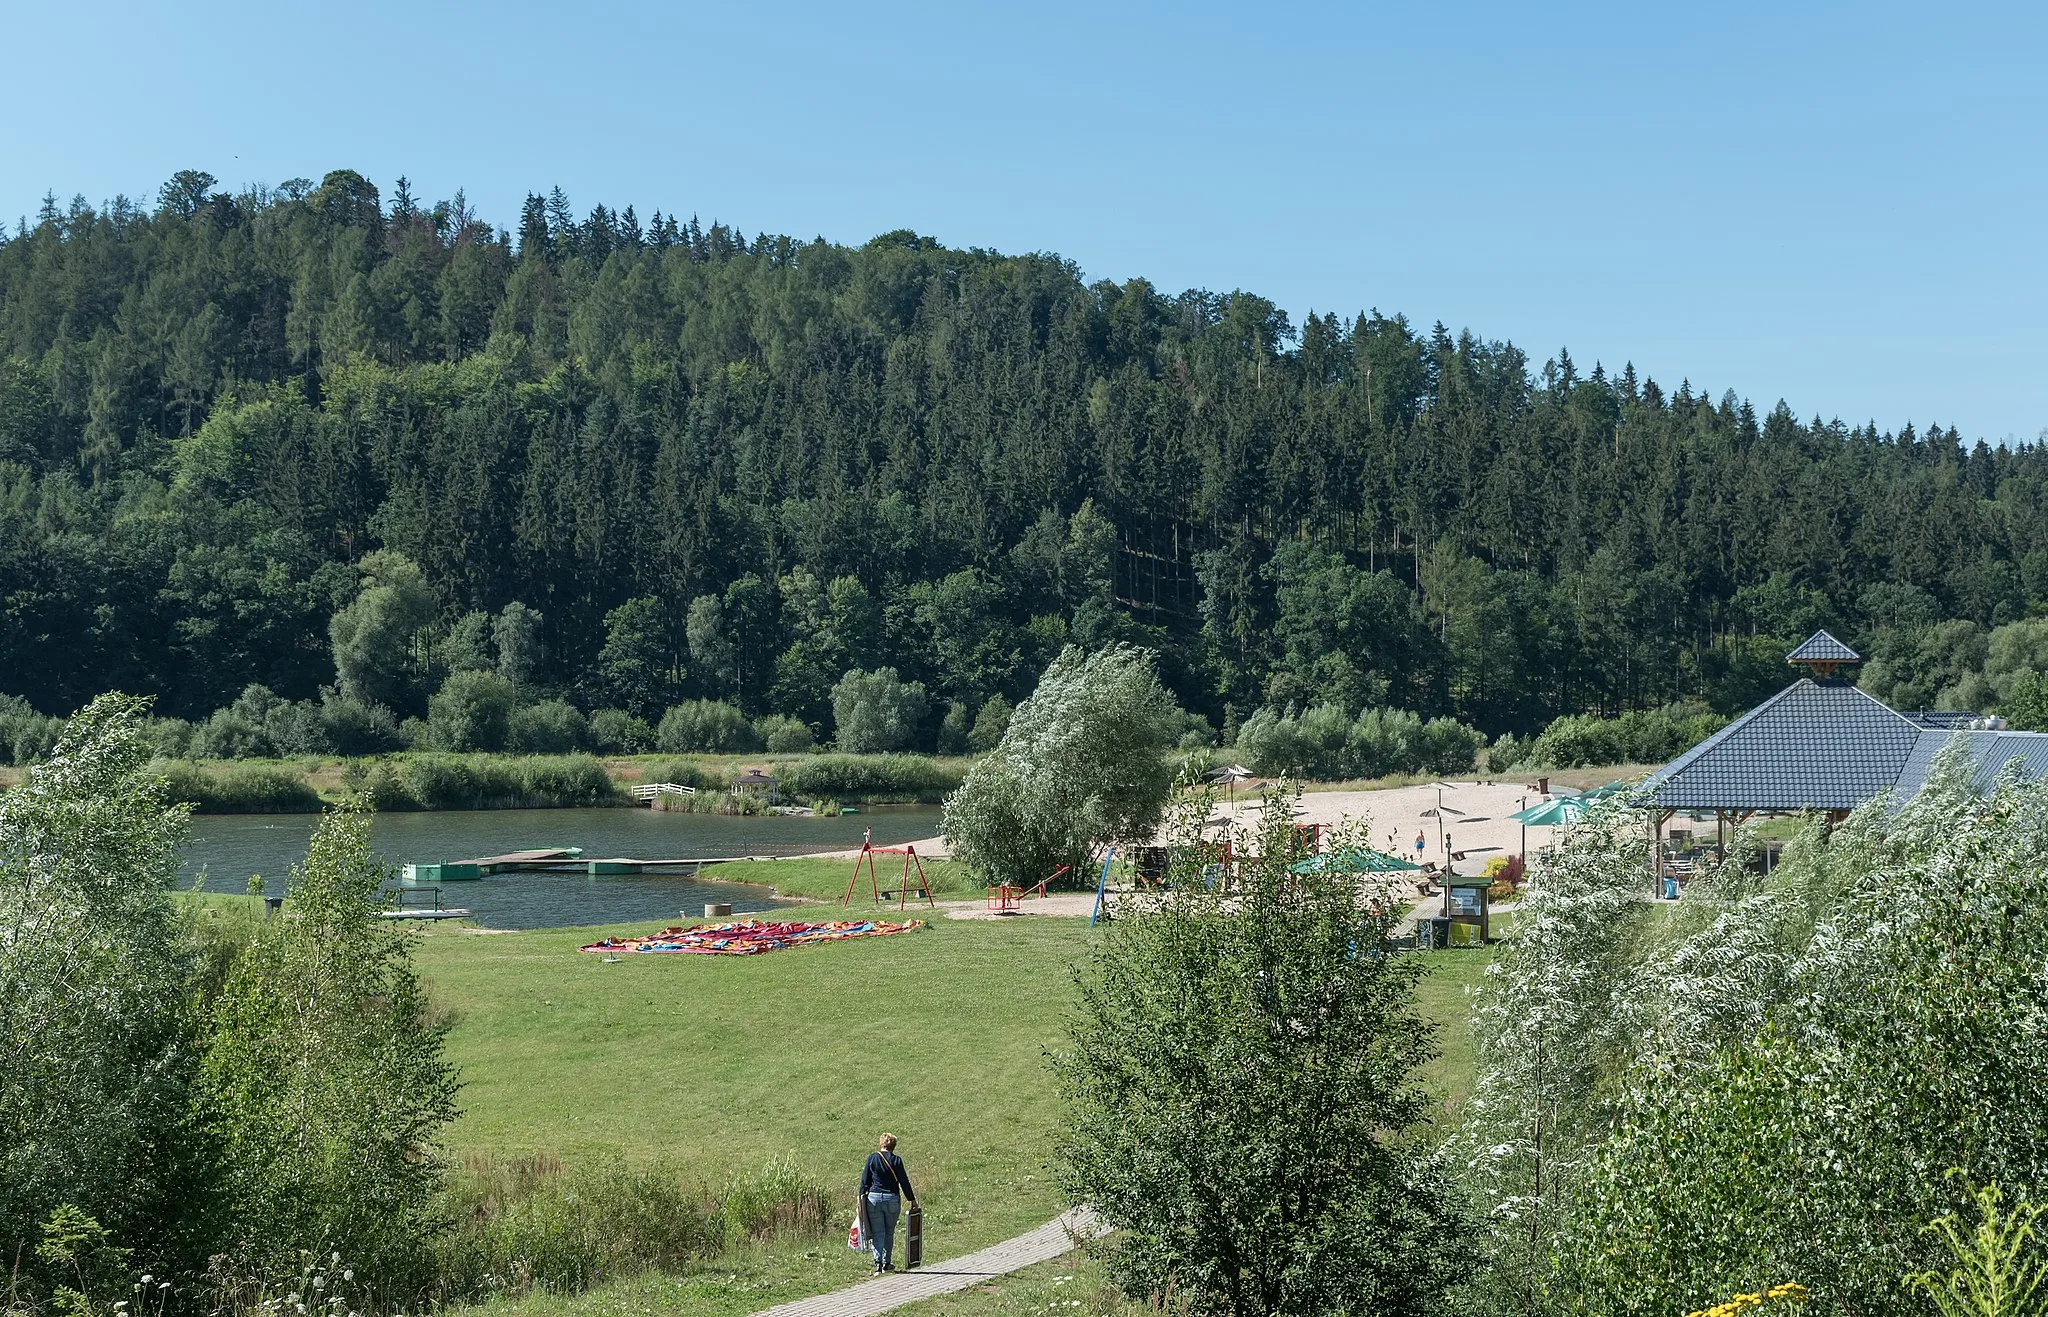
pixel 879 1294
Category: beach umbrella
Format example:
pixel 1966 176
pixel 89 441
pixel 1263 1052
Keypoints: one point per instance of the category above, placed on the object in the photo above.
pixel 1562 812
pixel 1357 859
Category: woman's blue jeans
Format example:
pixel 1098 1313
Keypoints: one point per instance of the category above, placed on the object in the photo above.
pixel 881 1221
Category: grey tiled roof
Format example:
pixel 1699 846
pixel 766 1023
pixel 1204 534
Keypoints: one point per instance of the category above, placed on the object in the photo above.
pixel 1823 647
pixel 1989 753
pixel 1813 745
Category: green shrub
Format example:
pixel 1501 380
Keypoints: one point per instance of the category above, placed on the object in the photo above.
pixel 490 782
pixel 552 727
pixel 705 727
pixel 870 778
pixel 356 728
pixel 528 1224
pixel 617 732
pixel 248 789
pixel 876 711
pixel 472 711
pixel 31 737
pixel 1323 743
pixel 783 735
pixel 682 772
pixel 1641 736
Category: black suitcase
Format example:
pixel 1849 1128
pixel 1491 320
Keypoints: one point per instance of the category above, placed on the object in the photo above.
pixel 913 1237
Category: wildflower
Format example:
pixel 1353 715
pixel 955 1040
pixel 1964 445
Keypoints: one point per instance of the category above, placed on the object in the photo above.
pixel 147 1279
pixel 348 1274
pixel 335 1256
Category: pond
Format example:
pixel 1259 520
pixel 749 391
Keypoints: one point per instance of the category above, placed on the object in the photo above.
pixel 226 848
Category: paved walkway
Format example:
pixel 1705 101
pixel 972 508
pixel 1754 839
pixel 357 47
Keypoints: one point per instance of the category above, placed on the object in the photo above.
pixel 879 1294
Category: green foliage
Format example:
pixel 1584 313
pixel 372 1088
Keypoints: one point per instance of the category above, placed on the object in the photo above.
pixel 518 637
pixel 94 1013
pixel 1083 764
pixel 637 668
pixel 1865 1014
pixel 1642 736
pixel 705 727
pixel 25 735
pixel 1322 743
pixel 314 436
pixel 899 779
pixel 551 727
pixel 435 781
pixel 324 1075
pixel 1238 1089
pixel 472 711
pixel 783 735
pixel 876 712
pixel 245 789
pixel 2026 702
pixel 1998 1271
pixel 376 638
pixel 990 724
pixel 616 732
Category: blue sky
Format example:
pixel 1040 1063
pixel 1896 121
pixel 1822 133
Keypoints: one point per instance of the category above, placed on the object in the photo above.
pixel 1837 205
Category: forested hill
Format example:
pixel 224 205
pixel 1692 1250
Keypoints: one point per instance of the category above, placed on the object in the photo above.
pixel 802 458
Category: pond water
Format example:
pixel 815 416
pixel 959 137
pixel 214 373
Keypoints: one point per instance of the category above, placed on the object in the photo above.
pixel 226 848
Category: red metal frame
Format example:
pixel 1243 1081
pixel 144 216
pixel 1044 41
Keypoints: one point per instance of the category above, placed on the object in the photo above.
pixel 868 852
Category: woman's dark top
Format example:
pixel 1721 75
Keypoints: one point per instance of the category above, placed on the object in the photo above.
pixel 875 1176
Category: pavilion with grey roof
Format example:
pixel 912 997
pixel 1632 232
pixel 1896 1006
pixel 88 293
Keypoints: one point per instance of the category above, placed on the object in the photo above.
pixel 1822 744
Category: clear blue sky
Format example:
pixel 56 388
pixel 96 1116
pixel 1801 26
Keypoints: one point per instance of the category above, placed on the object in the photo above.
pixel 1841 206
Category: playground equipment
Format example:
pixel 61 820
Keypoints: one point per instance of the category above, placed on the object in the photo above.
pixel 1009 897
pixel 868 852
pixel 1101 910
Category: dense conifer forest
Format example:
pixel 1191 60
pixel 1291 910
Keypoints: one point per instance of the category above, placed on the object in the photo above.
pixel 627 461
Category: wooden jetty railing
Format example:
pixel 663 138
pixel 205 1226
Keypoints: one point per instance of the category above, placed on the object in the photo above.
pixel 645 792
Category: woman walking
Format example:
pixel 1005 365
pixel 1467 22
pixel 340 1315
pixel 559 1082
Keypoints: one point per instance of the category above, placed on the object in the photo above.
pixel 884 1184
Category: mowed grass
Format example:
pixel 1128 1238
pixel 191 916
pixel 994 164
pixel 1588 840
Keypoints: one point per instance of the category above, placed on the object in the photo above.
pixel 825 880
pixel 720 1063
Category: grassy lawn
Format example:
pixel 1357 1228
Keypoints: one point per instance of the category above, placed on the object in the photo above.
pixel 1075 1285
pixel 825 880
pixel 722 1063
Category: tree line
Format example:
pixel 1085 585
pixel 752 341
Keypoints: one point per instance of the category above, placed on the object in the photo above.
pixel 629 463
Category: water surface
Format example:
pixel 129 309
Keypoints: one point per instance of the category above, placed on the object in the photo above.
pixel 225 849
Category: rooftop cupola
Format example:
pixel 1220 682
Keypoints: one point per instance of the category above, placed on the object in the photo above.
pixel 1820 654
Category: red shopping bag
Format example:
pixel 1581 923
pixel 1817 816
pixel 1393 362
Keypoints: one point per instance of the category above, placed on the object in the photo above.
pixel 854 1234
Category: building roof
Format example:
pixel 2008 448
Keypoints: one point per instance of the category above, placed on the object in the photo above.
pixel 1814 745
pixel 1820 647
pixel 1989 753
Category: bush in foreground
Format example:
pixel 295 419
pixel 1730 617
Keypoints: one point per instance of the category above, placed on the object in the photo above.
pixel 324 1077
pixel 1771 1079
pixel 1238 1091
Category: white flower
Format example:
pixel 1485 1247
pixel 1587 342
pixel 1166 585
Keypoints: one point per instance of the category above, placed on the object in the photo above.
pixel 348 1274
pixel 147 1279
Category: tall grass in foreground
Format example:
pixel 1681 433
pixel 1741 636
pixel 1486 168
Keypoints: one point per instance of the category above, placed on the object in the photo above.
pixel 527 1223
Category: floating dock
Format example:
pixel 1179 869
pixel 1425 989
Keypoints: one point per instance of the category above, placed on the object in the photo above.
pixel 456 871
pixel 451 913
pixel 565 859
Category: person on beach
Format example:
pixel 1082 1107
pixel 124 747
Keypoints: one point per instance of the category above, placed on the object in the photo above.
pixel 1418 843
pixel 884 1184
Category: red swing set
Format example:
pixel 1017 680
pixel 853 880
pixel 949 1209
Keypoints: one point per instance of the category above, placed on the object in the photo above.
pixel 868 852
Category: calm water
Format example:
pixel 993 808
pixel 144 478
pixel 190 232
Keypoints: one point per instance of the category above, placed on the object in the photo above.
pixel 227 848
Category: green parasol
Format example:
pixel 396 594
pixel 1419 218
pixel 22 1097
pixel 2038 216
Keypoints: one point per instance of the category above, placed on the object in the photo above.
pixel 1359 859
pixel 1564 811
